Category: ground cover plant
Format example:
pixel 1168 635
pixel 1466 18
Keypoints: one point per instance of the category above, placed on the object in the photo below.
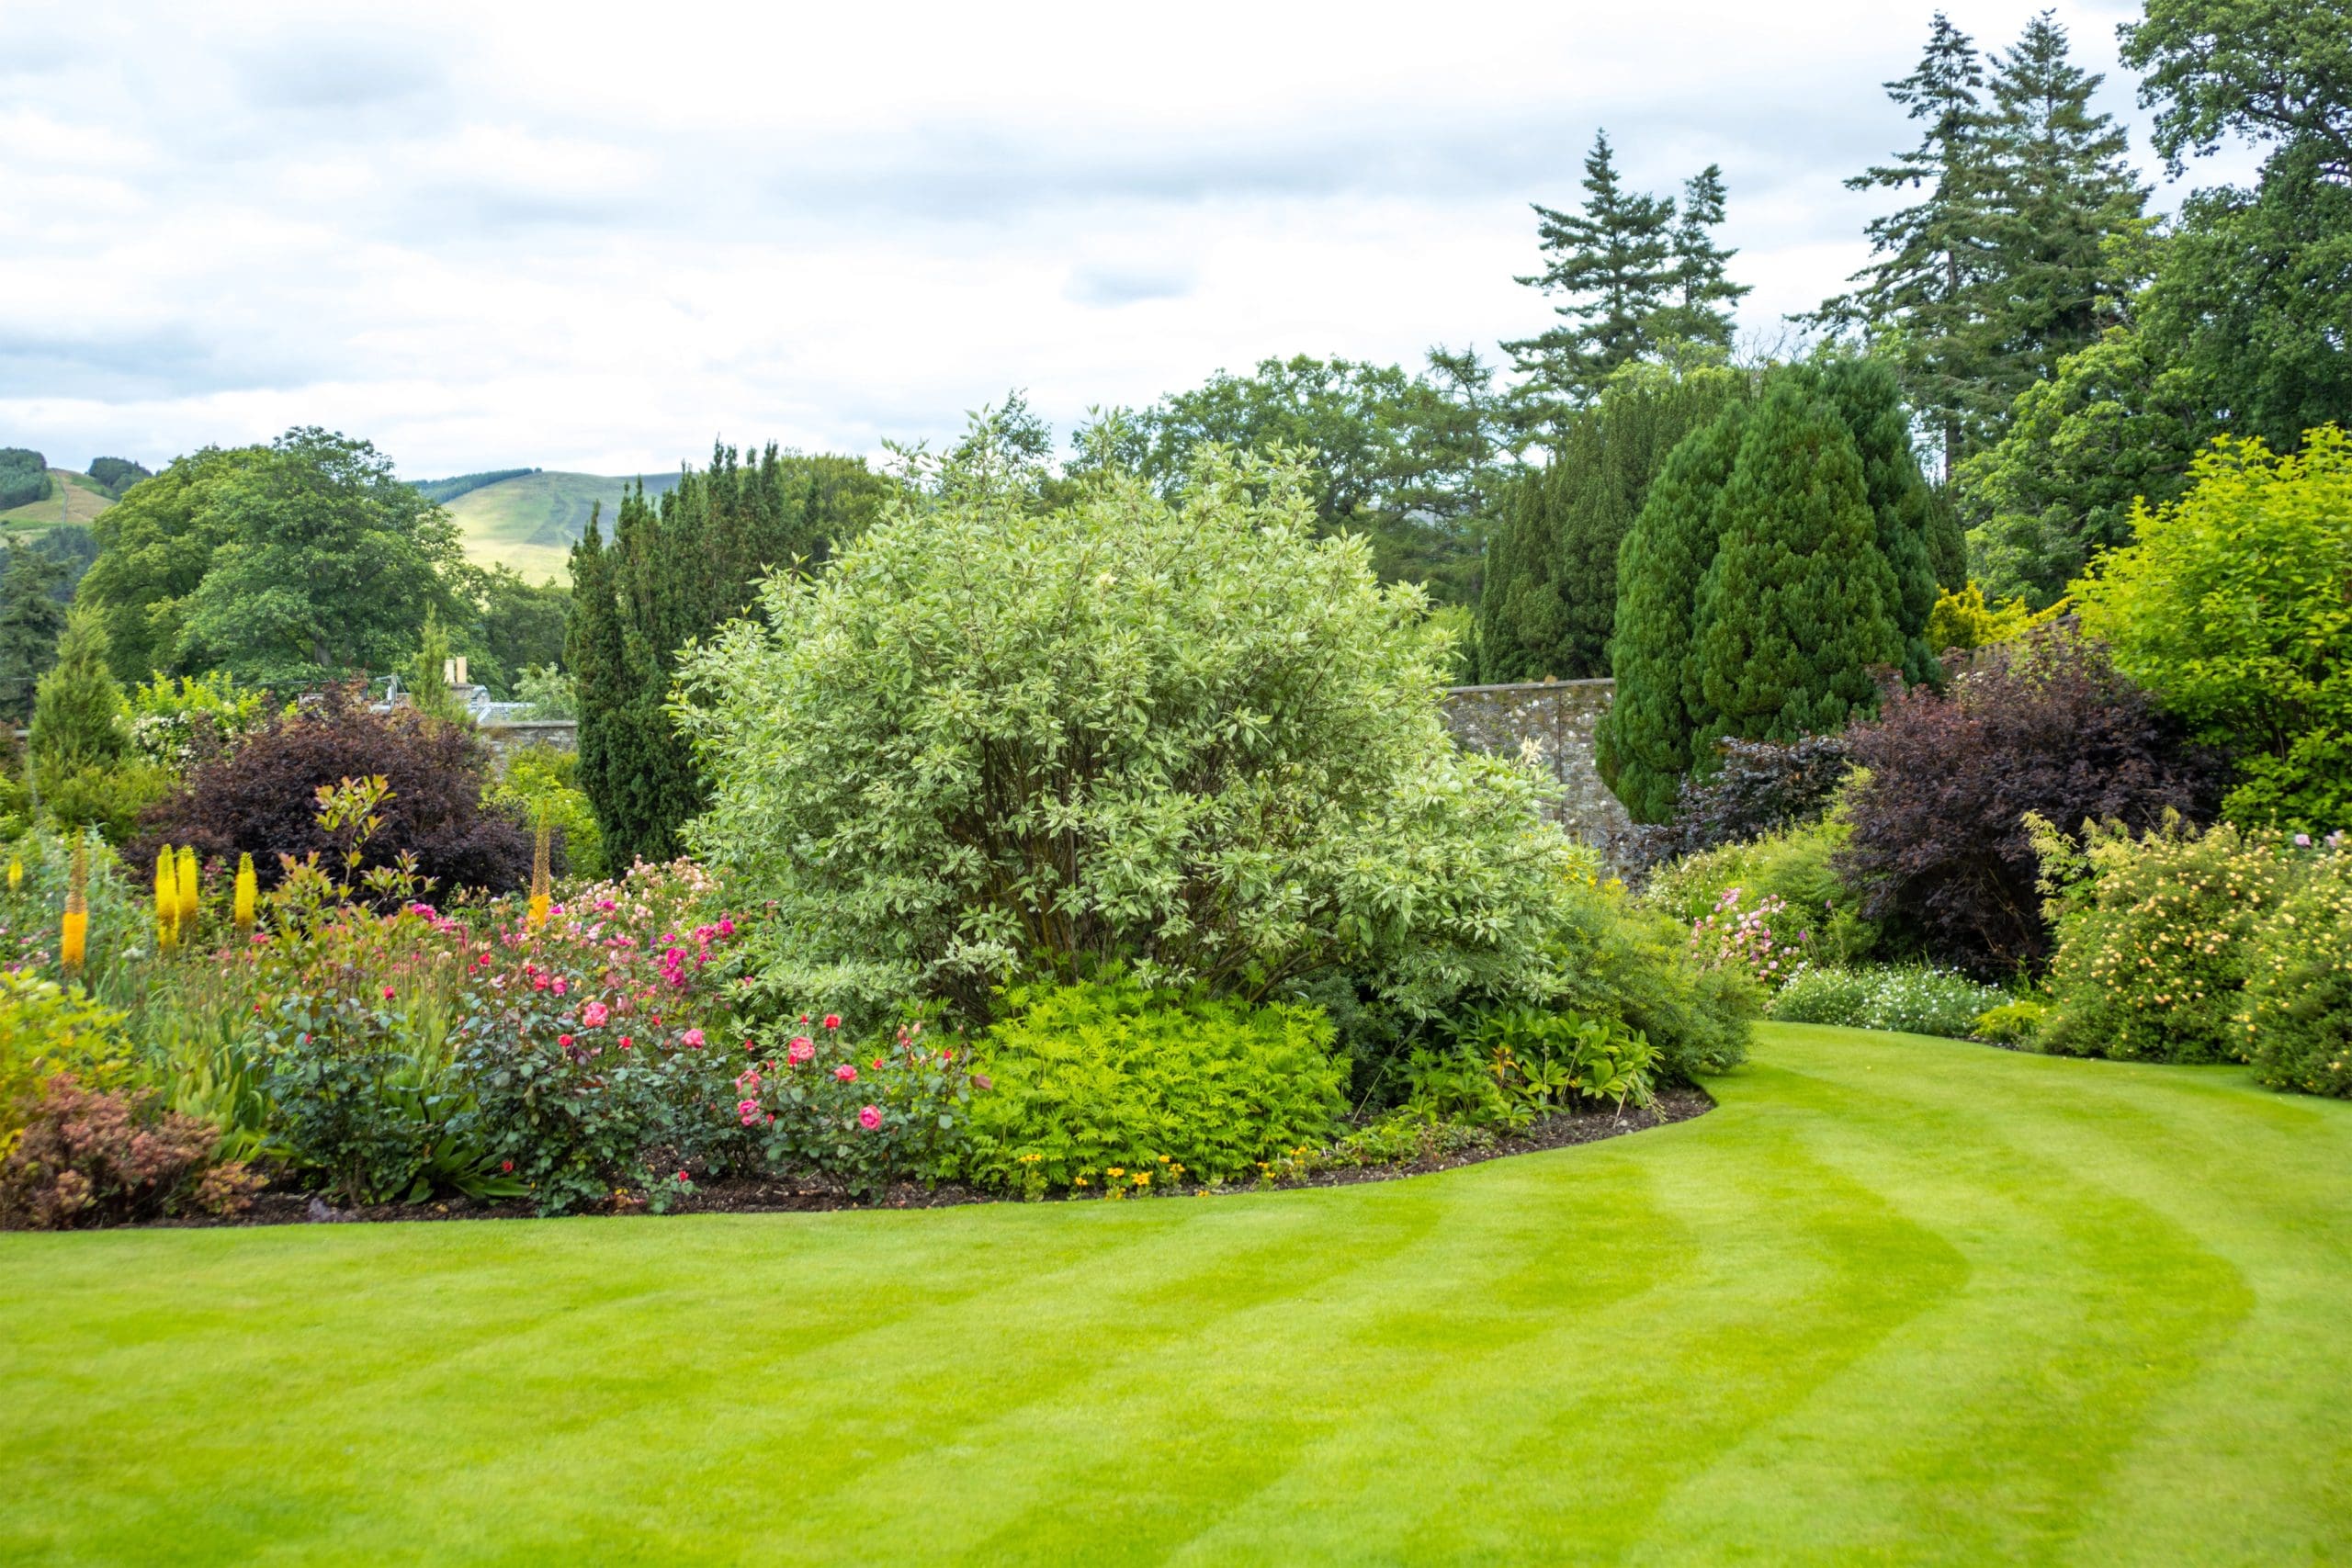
pixel 1896 1297
pixel 1911 999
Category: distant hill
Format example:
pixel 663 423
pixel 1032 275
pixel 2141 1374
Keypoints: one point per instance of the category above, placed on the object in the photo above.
pixel 530 520
pixel 72 498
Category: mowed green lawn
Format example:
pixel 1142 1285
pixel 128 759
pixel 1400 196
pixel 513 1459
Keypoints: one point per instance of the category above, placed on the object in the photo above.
pixel 1897 1299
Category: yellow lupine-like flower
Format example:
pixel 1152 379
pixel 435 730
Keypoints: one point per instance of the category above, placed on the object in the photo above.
pixel 190 890
pixel 248 891
pixel 541 887
pixel 16 872
pixel 74 938
pixel 167 902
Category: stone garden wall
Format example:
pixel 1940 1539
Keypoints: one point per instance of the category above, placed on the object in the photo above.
pixel 506 738
pixel 1553 720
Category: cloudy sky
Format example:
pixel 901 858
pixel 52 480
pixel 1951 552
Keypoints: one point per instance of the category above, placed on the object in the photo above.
pixel 579 236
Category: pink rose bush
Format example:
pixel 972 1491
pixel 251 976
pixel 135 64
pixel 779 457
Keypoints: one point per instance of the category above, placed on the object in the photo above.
pixel 897 1113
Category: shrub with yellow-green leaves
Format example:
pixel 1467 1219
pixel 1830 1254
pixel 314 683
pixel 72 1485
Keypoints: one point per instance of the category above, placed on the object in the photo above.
pixel 2154 937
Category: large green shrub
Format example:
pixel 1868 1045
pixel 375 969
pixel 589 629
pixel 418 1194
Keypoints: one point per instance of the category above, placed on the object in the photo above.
pixel 543 781
pixel 1103 1077
pixel 2233 608
pixel 1194 738
pixel 1818 915
pixel 2154 938
pixel 2298 988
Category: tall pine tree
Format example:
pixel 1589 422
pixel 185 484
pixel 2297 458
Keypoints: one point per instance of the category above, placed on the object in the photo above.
pixel 1793 611
pixel 2062 194
pixel 1920 302
pixel 1643 743
pixel 1614 260
pixel 1705 293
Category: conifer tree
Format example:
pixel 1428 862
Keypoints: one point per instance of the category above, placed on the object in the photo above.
pixel 1921 301
pixel 1643 743
pixel 673 572
pixel 2062 194
pixel 1703 292
pixel 30 622
pixel 1919 538
pixel 1792 614
pixel 427 677
pixel 1549 602
pixel 77 713
pixel 1615 261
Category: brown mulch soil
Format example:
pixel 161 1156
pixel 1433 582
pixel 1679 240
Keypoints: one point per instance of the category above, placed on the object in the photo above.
pixel 749 1196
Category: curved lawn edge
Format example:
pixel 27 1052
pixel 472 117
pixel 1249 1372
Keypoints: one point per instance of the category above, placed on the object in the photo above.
pixel 1679 1102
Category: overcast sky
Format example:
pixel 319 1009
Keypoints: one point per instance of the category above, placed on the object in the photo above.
pixel 579 236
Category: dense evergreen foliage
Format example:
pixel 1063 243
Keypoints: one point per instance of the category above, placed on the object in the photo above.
pixel 675 570
pixel 1548 602
pixel 78 706
pixel 1638 279
pixel 24 477
pixel 1775 565
pixel 31 620
pixel 118 474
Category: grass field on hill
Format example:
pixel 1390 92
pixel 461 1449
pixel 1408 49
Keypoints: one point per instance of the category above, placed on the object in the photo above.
pixel 81 498
pixel 531 522
pixel 1896 1301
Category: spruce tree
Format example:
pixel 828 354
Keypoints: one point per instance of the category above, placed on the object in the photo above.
pixel 77 713
pixel 1643 742
pixel 30 622
pixel 1793 611
pixel 1922 302
pixel 2063 194
pixel 1703 292
pixel 1615 261
pixel 427 676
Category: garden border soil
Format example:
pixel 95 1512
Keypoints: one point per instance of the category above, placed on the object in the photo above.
pixel 770 1196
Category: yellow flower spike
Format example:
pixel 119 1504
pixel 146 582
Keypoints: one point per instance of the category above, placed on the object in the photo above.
pixel 542 889
pixel 74 938
pixel 167 902
pixel 191 891
pixel 16 872
pixel 248 892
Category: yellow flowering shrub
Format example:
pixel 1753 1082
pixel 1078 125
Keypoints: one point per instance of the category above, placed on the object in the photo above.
pixel 2154 938
pixel 2298 1019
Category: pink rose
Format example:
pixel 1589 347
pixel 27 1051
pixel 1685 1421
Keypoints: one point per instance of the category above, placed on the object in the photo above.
pixel 626 1043
pixel 693 1039
pixel 388 993
pixel 869 1118
pixel 800 1049
pixel 559 984
pixel 564 1041
pixel 595 1014
pixel 749 1110
pixel 725 926
pixel 832 1020
pixel 846 1073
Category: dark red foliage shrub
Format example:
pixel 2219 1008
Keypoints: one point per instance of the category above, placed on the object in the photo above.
pixel 1939 846
pixel 1756 787
pixel 261 797
pixel 90 1157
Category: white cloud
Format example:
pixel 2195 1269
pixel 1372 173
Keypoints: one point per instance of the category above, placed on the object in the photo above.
pixel 598 236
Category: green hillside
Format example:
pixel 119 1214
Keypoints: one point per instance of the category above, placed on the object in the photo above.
pixel 530 521
pixel 72 498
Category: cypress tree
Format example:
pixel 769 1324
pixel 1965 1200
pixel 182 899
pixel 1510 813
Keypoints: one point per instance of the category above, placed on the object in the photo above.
pixel 427 679
pixel 1919 536
pixel 1549 604
pixel 1793 611
pixel 77 713
pixel 1644 741
pixel 672 573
